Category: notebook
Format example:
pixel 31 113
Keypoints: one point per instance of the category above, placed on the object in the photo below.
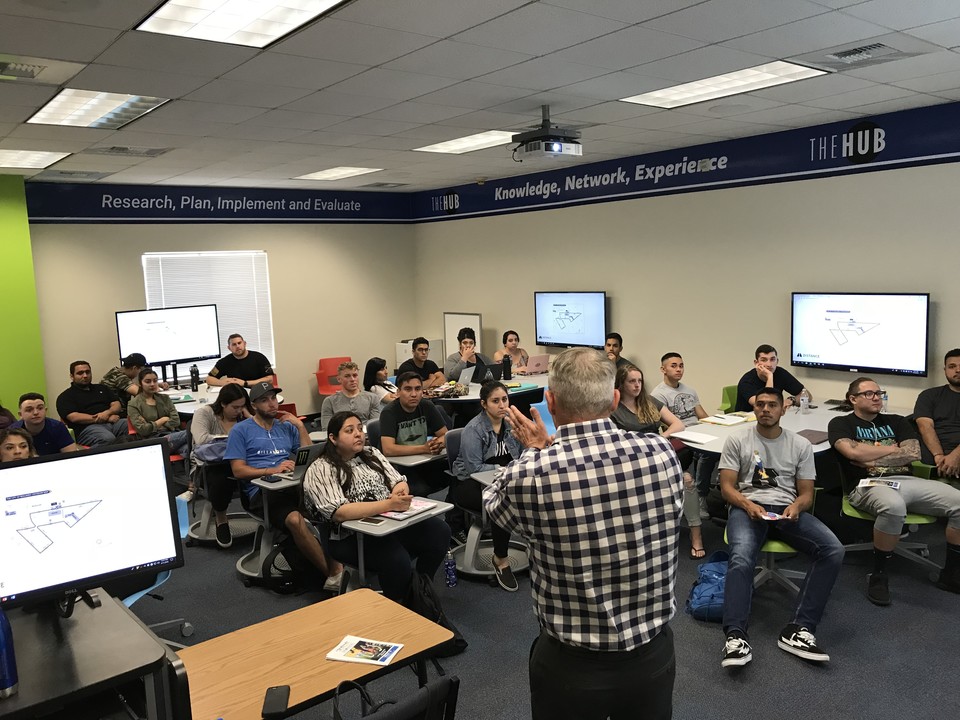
pixel 417 506
pixel 537 364
pixel 689 436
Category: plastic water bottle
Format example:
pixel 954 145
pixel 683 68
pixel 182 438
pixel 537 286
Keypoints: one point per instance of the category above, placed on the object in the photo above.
pixel 804 402
pixel 8 662
pixel 507 368
pixel 450 570
pixel 883 397
pixel 194 378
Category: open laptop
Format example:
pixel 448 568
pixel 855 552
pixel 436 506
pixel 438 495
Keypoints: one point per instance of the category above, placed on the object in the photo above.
pixel 303 457
pixel 474 374
pixel 537 364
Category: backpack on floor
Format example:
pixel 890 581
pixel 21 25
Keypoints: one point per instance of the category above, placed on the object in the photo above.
pixel 706 595
pixel 423 600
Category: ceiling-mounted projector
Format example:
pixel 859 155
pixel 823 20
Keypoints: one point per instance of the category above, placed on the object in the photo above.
pixel 546 141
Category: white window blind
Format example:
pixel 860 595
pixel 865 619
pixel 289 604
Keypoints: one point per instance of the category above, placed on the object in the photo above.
pixel 237 282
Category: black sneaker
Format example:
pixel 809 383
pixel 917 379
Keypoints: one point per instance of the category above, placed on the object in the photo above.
pixel 458 538
pixel 878 589
pixel 736 652
pixel 949 581
pixel 224 536
pixel 799 641
pixel 506 578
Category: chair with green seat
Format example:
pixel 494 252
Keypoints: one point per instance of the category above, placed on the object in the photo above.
pixel 915 551
pixel 728 399
pixel 929 472
pixel 767 569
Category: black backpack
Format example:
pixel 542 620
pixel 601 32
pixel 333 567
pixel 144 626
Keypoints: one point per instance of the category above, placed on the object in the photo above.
pixel 423 600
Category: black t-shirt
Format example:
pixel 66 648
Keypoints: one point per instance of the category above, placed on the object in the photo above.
pixel 410 428
pixel 429 368
pixel 253 367
pixel 942 405
pixel 750 384
pixel 883 430
pixel 90 399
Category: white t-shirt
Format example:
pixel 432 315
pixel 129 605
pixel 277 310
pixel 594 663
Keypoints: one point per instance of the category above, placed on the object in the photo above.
pixel 682 401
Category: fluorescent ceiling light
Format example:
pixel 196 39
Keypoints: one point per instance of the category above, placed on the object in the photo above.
pixel 469 143
pixel 338 173
pixel 741 81
pixel 89 108
pixel 29 158
pixel 255 23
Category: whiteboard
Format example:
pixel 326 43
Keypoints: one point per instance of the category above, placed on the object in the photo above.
pixel 452 322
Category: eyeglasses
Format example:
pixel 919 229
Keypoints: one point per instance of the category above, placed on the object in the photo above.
pixel 870 394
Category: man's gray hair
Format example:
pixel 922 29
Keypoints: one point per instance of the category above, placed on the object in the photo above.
pixel 581 380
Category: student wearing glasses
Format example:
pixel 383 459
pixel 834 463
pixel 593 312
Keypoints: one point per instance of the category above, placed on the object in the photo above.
pixel 511 347
pixel 421 364
pixel 875 447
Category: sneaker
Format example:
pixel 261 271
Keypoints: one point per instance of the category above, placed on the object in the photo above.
pixel 736 652
pixel 186 496
pixel 799 641
pixel 704 512
pixel 506 578
pixel 949 581
pixel 878 589
pixel 458 538
pixel 224 536
pixel 333 582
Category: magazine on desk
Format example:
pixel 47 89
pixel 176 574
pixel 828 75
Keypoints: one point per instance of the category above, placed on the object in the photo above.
pixel 362 650
pixel 417 506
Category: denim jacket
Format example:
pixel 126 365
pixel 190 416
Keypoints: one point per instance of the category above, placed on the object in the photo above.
pixel 477 442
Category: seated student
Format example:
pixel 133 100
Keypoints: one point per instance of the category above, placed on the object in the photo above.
pixel 874 444
pixel 350 398
pixel 376 380
pixel 511 347
pixel 242 367
pixel 467 356
pixel 937 414
pixel 6 418
pixel 154 414
pixel 91 409
pixel 123 379
pixel 261 446
pixel 641 413
pixel 212 422
pixel 16 444
pixel 351 480
pixel 49 436
pixel 422 365
pixel 613 346
pixel 765 373
pixel 766 468
pixel 485 444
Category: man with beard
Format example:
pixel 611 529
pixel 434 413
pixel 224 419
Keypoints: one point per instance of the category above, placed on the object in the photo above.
pixel 937 413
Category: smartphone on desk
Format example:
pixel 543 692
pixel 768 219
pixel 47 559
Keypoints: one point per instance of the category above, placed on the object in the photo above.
pixel 275 701
pixel 371 520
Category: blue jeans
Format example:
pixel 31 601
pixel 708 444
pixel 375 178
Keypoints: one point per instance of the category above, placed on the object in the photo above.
pixel 807 535
pixel 705 464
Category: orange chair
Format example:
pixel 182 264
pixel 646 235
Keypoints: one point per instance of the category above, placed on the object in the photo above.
pixel 327 375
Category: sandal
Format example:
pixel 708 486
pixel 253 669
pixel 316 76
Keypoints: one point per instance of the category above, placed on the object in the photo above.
pixel 697 553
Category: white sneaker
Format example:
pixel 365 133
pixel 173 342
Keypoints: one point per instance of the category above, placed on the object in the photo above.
pixel 333 583
pixel 704 512
pixel 186 495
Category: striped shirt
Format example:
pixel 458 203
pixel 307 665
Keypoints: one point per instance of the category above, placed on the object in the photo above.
pixel 600 511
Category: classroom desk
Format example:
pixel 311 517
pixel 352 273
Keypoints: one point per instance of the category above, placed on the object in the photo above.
pixel 61 661
pixel 464 407
pixel 414 460
pixel 388 527
pixel 229 674
pixel 204 395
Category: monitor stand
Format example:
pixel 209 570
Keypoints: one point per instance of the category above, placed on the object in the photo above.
pixel 65 606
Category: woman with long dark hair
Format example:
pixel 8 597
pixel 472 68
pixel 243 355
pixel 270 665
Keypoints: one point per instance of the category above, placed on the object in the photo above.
pixel 351 480
pixel 375 380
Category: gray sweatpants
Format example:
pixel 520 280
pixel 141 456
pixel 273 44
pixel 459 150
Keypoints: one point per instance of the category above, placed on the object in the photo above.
pixel 929 497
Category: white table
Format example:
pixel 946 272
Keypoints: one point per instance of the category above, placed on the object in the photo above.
pixel 204 395
pixel 389 526
pixel 540 381
pixel 414 460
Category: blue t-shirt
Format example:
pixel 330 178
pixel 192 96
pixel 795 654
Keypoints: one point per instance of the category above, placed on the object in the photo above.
pixel 51 439
pixel 260 449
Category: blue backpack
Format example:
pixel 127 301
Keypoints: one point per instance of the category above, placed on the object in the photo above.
pixel 706 595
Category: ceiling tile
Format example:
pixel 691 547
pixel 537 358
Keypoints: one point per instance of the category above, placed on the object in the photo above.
pixel 559 103
pixel 458 60
pixel 31 96
pixel 556 28
pixel 117 15
pixel 298 120
pixel 608 112
pixel 351 42
pixel 294 71
pixel 932 83
pixel 233 92
pixel 543 74
pixel 250 131
pixel 904 103
pixel 493 120
pixel 392 84
pixel 899 15
pixel 438 18
pixel 88 136
pixel 156 83
pixel 628 11
pixel 149 51
pixel 334 103
pixel 719 20
pixel 852 99
pixel 416 112
pixel 615 86
pixel 371 126
pixel 809 35
pixel 813 88
pixel 55 40
pixel 472 94
pixel 627 48
pixel 945 33
pixel 932 64
pixel 187 111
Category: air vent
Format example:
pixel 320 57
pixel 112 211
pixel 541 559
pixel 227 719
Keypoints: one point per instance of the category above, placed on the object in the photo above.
pixel 873 51
pixel 21 71
pixel 864 54
pixel 70 175
pixel 127 151
pixel 26 70
pixel 384 185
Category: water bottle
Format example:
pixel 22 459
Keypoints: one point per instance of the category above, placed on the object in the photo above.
pixel 450 570
pixel 804 402
pixel 507 368
pixel 194 378
pixel 8 662
pixel 883 396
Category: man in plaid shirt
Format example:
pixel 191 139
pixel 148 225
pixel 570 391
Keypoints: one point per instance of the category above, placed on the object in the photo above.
pixel 599 508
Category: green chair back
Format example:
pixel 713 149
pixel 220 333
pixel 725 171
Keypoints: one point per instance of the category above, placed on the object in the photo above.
pixel 728 398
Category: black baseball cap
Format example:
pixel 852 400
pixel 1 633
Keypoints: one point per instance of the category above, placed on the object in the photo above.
pixel 261 389
pixel 134 360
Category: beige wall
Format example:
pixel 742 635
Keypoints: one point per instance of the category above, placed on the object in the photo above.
pixel 706 274
pixel 335 290
pixel 710 274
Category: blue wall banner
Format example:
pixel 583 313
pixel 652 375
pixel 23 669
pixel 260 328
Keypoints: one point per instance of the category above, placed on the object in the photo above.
pixel 909 137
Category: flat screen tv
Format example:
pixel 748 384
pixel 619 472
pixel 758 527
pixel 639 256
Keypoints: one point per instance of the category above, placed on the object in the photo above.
pixel 73 521
pixel 878 333
pixel 570 319
pixel 170 335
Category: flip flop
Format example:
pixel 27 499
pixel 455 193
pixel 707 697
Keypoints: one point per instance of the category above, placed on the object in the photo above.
pixel 697 553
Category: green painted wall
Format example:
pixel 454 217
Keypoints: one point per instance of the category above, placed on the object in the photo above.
pixel 21 352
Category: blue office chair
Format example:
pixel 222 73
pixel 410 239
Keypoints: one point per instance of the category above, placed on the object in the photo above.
pixel 545 414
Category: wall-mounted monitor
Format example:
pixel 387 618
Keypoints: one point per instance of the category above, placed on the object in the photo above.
pixel 170 335
pixel 73 521
pixel 570 319
pixel 880 333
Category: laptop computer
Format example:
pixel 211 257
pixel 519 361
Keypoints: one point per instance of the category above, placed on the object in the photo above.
pixel 537 364
pixel 303 458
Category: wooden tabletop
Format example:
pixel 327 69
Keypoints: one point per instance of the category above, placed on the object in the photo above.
pixel 228 675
